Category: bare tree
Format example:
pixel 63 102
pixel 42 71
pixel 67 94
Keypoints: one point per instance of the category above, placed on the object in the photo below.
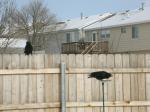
pixel 33 20
pixel 7 26
pixel 30 21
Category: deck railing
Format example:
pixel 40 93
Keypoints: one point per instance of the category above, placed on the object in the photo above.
pixel 80 47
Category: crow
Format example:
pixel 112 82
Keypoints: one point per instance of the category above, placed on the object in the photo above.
pixel 100 75
pixel 28 48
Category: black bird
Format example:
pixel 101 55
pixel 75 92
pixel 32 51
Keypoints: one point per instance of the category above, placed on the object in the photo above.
pixel 100 75
pixel 28 48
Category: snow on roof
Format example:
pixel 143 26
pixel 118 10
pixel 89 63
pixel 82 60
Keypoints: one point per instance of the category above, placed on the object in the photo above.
pixel 13 43
pixel 124 18
pixel 79 23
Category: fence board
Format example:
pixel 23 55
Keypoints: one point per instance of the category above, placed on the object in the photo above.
pixel 111 84
pixel 72 83
pixel 73 71
pixel 80 82
pixel 15 80
pixel 1 81
pixel 95 83
pixel 134 81
pixel 40 80
pixel 147 60
pixel 31 83
pixel 103 64
pixel 126 82
pixel 141 81
pixel 87 82
pixel 118 81
pixel 48 82
pixel 24 81
pixel 56 82
pixel 7 81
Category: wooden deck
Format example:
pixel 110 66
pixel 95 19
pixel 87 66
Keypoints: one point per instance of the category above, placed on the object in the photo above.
pixel 85 48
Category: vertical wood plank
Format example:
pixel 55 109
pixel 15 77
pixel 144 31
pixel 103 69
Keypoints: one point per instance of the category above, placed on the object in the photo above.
pixel 126 82
pixel 56 81
pixel 1 80
pixel 134 81
pixel 141 81
pixel 111 84
pixel 87 82
pixel 118 81
pixel 80 82
pixel 72 83
pixel 32 82
pixel 148 80
pixel 7 81
pixel 40 80
pixel 103 64
pixel 15 80
pixel 48 82
pixel 24 62
pixel 56 60
pixel 95 83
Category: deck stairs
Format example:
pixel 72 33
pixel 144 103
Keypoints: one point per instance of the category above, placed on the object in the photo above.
pixel 89 48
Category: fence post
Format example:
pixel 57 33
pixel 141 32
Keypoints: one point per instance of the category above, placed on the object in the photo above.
pixel 63 87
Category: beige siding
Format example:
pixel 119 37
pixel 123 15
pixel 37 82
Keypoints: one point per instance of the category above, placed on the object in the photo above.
pixel 123 42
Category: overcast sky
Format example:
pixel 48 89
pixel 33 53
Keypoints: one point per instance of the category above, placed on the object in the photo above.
pixel 67 9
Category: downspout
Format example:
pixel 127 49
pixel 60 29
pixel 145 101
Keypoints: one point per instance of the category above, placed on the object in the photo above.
pixel 63 87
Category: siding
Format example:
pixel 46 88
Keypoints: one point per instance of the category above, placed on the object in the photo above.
pixel 123 42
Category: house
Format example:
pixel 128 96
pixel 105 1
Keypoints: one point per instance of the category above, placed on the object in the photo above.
pixel 71 31
pixel 123 32
pixel 127 31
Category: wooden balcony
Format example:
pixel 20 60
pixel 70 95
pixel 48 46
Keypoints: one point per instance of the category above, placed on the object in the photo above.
pixel 85 48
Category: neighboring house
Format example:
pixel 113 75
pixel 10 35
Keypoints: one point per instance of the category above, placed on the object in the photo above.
pixel 12 45
pixel 127 31
pixel 71 31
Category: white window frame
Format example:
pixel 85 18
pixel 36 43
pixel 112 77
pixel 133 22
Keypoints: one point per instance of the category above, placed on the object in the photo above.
pixel 135 32
pixel 68 37
pixel 94 33
pixel 105 34
pixel 123 30
pixel 71 38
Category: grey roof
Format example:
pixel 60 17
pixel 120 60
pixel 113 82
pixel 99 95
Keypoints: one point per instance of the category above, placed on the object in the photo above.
pixel 123 18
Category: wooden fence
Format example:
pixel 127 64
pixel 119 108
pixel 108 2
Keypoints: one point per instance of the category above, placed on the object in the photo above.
pixel 32 83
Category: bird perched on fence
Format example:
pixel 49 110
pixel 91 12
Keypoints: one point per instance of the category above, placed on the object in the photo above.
pixel 28 48
pixel 100 75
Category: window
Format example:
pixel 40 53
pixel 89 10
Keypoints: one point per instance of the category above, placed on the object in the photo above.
pixel 68 37
pixel 105 34
pixel 94 36
pixel 135 31
pixel 123 29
